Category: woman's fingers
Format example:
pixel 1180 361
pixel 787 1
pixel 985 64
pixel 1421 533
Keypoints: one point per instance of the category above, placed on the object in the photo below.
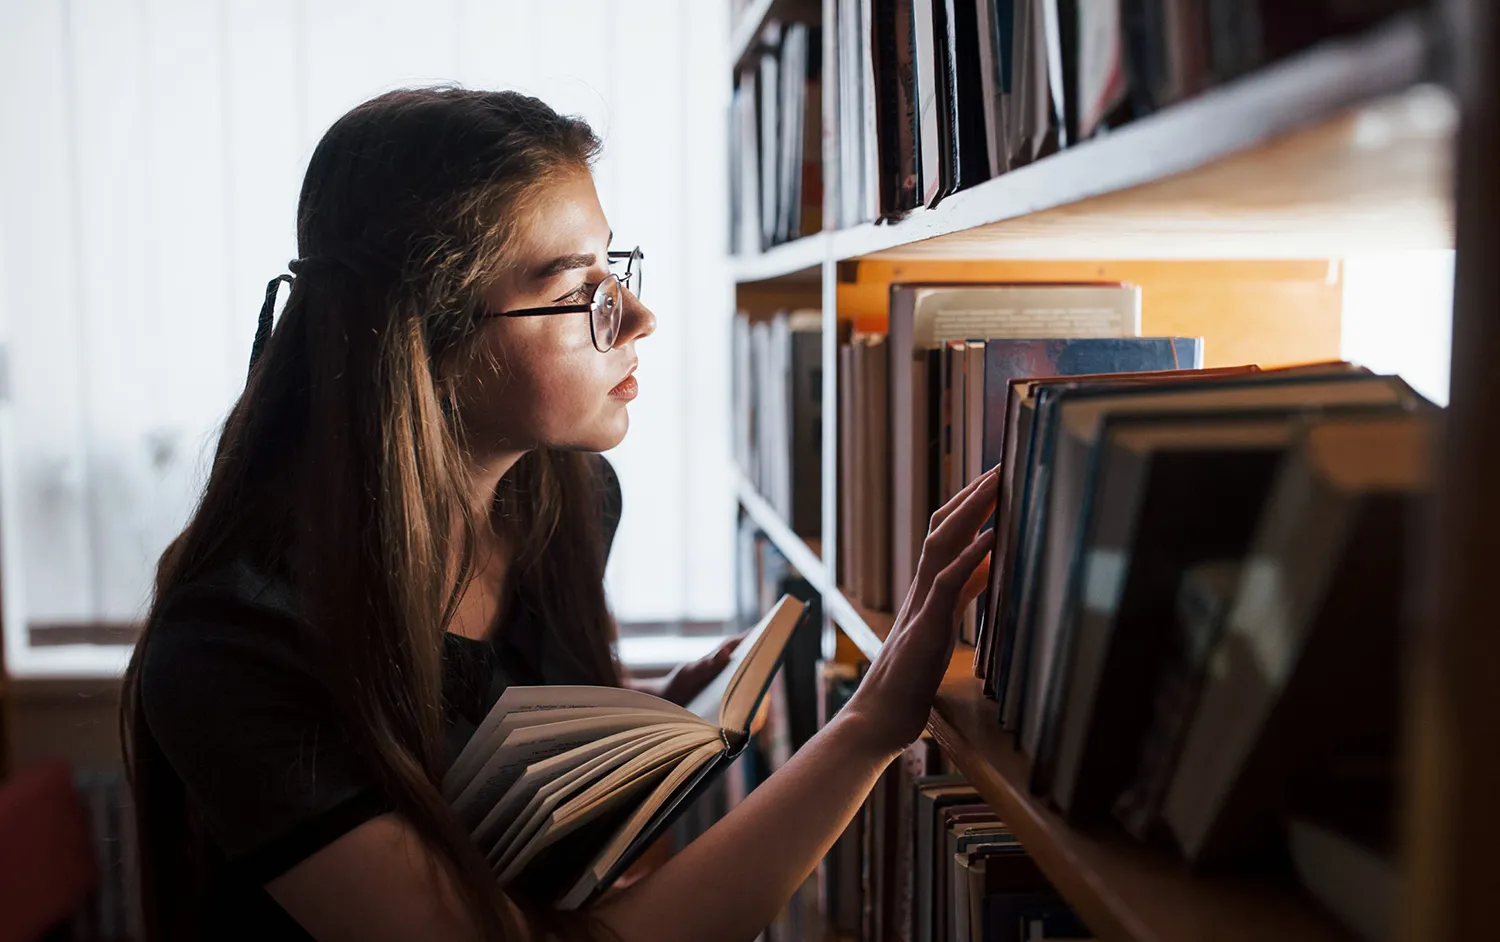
pixel 944 598
pixel 943 512
pixel 969 513
pixel 949 537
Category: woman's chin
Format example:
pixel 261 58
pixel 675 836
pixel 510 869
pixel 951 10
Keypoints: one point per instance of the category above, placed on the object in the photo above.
pixel 608 434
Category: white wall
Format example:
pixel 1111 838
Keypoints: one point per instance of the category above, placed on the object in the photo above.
pixel 1398 317
pixel 149 170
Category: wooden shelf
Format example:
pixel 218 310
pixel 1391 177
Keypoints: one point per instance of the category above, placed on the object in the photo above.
pixel 1123 890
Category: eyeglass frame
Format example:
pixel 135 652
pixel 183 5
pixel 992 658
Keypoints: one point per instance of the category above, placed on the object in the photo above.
pixel 631 272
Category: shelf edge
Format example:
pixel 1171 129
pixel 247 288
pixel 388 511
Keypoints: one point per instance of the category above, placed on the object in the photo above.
pixel 792 546
pixel 844 613
pixel 742 34
pixel 781 261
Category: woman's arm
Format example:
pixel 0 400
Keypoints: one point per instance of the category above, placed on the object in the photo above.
pixel 730 882
pixel 378 882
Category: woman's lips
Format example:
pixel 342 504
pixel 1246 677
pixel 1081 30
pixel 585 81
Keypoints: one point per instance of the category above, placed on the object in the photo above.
pixel 626 390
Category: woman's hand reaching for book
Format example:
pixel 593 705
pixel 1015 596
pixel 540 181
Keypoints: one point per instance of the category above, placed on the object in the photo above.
pixel 896 694
pixel 731 881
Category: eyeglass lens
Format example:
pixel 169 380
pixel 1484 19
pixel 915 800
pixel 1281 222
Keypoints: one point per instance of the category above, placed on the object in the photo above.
pixel 607 307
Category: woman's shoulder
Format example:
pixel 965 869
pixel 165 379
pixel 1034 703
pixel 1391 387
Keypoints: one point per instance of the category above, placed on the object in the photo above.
pixel 237 587
pixel 214 629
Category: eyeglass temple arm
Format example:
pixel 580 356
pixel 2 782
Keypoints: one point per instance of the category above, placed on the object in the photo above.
pixel 541 311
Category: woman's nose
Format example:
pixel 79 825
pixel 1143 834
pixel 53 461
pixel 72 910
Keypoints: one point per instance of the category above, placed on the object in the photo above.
pixel 638 321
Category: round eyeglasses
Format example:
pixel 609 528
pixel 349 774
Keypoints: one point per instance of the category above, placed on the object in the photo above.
pixel 607 307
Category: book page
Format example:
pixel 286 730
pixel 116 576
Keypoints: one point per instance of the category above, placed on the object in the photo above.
pixel 517 701
pixel 506 824
pixel 604 794
pixel 732 697
pixel 533 744
pixel 637 823
pixel 567 765
pixel 456 781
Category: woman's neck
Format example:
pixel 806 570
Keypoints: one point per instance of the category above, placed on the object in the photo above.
pixel 485 473
pixel 483 602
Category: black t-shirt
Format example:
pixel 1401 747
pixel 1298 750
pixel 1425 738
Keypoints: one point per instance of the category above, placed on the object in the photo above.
pixel 246 724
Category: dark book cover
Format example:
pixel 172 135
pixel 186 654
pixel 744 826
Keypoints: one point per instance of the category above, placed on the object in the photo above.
pixel 949 134
pixel 899 115
pixel 1318 684
pixel 1203 598
pixel 806 445
pixel 1028 917
pixel 839 871
pixel 1311 386
pixel 1067 22
pixel 1160 512
pixel 1007 360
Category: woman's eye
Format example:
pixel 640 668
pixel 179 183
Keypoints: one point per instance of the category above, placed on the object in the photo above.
pixel 582 294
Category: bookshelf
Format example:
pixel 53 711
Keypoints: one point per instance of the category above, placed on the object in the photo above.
pixel 1355 146
pixel 1311 157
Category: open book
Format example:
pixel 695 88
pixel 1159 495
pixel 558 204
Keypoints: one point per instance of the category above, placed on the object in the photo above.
pixel 563 787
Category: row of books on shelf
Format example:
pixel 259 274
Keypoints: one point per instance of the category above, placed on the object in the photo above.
pixel 1194 619
pixel 921 406
pixel 1197 581
pixel 775 140
pixel 776 387
pixel 927 860
pixel 1198 575
pixel 933 96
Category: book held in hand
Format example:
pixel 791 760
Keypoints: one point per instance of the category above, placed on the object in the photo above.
pixel 563 787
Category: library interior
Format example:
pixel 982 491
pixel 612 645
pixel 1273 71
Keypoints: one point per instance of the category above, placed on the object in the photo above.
pixel 1188 287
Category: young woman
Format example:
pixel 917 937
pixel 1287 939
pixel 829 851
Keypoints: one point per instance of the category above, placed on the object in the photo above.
pixel 406 512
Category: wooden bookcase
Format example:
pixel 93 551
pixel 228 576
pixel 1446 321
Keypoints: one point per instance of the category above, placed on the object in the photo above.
pixel 1353 147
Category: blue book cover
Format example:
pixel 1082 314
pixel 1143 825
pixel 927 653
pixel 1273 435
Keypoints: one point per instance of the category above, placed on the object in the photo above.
pixel 1007 360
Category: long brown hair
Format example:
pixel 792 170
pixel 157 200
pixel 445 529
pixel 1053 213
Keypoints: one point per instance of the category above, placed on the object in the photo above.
pixel 340 467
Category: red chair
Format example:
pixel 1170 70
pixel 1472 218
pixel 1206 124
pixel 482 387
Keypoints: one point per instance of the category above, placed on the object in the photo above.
pixel 47 865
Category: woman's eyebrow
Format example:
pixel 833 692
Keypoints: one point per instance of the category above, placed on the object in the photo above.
pixel 566 263
pixel 571 262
